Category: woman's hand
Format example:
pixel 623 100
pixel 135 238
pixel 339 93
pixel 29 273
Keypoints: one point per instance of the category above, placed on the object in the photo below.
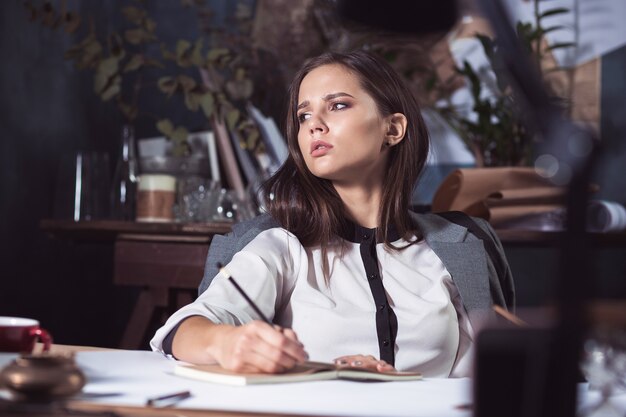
pixel 258 347
pixel 253 347
pixel 363 361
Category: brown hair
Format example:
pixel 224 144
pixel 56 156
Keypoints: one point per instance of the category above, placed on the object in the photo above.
pixel 309 206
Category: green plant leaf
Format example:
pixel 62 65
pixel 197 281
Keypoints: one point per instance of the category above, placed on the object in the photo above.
pixel 167 85
pixel 166 53
pixel 104 77
pixel 252 138
pixel 240 90
pixel 85 54
pixel 487 43
pixel 561 45
pixel 552 12
pixel 207 103
pixel 215 54
pixel 186 82
pixel 232 117
pixel 112 89
pixel 551 29
pixel 183 55
pixel 475 86
pixel 135 62
pixel 166 127
pixel 179 137
pixel 196 53
pixel 192 101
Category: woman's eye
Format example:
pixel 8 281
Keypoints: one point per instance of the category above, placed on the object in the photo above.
pixel 339 106
pixel 303 117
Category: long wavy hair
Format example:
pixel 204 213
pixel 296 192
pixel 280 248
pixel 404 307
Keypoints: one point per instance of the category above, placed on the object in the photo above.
pixel 309 206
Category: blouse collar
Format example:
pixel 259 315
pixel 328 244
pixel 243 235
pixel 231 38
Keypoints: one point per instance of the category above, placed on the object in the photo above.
pixel 355 233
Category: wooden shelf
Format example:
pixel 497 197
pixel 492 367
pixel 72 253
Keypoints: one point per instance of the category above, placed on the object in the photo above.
pixel 547 238
pixel 110 230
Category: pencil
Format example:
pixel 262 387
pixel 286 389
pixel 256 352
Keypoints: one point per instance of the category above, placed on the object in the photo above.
pixel 169 399
pixel 225 272
pixel 509 316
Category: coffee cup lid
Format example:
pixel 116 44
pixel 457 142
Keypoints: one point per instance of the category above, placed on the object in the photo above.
pixel 157 182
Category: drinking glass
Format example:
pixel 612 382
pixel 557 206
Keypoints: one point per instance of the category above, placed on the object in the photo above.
pixel 82 189
pixel 604 366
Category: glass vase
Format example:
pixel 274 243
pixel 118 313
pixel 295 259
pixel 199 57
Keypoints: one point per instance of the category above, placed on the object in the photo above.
pixel 123 193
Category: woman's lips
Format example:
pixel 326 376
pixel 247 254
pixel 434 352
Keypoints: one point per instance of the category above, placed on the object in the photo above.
pixel 319 148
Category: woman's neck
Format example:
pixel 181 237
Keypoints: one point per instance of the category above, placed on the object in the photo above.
pixel 362 203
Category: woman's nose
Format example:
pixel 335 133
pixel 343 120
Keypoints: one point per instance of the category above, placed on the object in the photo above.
pixel 317 125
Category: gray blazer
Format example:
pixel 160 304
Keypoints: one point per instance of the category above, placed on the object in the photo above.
pixel 462 253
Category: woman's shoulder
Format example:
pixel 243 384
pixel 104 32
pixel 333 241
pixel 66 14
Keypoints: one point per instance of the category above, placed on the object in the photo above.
pixel 448 225
pixel 259 231
pixel 224 247
pixel 254 226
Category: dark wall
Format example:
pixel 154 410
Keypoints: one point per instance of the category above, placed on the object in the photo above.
pixel 47 110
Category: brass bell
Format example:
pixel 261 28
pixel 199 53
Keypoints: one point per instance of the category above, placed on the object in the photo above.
pixel 41 378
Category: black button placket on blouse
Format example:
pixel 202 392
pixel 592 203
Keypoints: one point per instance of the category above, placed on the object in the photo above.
pixel 386 321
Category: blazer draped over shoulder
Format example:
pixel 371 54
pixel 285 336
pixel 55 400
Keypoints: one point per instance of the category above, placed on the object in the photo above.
pixel 462 253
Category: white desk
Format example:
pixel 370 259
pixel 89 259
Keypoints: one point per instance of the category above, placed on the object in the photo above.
pixel 128 378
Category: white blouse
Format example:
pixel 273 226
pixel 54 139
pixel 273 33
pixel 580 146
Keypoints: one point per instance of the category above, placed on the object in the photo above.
pixel 337 317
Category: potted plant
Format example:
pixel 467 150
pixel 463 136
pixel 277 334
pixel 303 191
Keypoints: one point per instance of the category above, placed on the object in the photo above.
pixel 209 75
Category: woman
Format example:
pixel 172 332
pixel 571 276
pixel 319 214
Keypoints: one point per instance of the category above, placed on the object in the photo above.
pixel 341 266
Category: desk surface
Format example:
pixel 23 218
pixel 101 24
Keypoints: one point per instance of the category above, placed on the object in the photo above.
pixel 125 379
pixel 121 381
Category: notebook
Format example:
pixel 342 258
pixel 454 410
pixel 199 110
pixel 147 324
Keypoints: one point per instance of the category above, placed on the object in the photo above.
pixel 308 371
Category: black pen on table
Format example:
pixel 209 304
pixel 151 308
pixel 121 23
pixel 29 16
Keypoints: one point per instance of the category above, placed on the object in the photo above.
pixel 168 400
pixel 225 272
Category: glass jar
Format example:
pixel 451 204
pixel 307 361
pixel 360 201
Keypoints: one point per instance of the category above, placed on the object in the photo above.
pixel 123 194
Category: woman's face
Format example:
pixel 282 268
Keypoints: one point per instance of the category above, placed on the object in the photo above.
pixel 342 134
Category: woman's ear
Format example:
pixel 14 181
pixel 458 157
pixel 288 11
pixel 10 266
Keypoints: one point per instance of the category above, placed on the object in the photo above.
pixel 396 129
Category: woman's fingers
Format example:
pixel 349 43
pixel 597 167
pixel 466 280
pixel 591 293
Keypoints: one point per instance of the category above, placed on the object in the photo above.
pixel 277 357
pixel 364 361
pixel 384 367
pixel 259 347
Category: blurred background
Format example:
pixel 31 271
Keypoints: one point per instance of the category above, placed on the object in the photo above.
pixel 79 77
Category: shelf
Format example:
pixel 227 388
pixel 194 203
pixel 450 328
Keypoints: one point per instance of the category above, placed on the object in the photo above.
pixel 110 230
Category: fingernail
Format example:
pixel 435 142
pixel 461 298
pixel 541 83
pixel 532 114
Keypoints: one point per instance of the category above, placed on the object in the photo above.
pixel 357 363
pixel 341 362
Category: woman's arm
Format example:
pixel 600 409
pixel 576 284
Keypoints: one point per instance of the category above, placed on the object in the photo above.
pixel 253 347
